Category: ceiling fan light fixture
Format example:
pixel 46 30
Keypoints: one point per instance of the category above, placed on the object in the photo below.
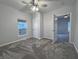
pixel 66 16
pixel 37 9
pixel 34 8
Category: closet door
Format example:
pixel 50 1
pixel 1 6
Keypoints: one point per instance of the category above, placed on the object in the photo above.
pixel 36 25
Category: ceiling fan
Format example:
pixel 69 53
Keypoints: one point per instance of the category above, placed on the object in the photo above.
pixel 35 4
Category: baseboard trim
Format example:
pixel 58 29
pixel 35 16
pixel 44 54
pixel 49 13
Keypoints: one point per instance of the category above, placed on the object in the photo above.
pixel 37 38
pixel 74 46
pixel 12 42
pixel 47 38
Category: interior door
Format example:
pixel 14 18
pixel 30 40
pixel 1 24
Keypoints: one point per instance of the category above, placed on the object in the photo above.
pixel 62 28
pixel 36 25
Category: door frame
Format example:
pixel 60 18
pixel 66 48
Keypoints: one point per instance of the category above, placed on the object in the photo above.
pixel 70 14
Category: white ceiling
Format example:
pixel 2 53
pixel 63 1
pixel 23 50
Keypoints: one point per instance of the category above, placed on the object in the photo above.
pixel 51 4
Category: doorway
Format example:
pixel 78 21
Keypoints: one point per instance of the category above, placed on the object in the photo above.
pixel 62 28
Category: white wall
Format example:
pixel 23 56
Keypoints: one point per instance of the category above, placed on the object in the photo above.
pixel 75 25
pixel 8 24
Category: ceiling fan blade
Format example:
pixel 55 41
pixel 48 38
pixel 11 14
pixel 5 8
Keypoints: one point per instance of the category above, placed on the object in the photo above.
pixel 24 2
pixel 34 2
pixel 25 8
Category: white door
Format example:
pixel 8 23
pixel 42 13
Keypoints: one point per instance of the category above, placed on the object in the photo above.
pixel 36 25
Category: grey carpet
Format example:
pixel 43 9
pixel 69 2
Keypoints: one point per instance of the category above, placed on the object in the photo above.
pixel 38 49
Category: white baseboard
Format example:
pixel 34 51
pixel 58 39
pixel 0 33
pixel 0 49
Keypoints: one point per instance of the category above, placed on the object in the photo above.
pixel 9 43
pixel 12 42
pixel 37 38
pixel 75 47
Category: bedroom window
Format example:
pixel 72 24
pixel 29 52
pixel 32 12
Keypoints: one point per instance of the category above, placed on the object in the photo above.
pixel 22 27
